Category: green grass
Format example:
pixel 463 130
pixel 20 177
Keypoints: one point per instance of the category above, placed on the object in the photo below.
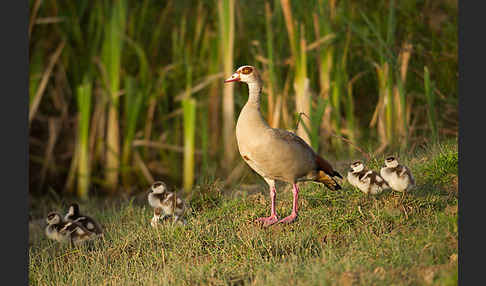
pixel 340 238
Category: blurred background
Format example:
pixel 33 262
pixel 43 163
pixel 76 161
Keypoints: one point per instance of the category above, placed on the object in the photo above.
pixel 123 93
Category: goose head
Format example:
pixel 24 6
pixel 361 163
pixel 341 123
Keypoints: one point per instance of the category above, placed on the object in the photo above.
pixel 248 74
pixel 391 162
pixel 357 166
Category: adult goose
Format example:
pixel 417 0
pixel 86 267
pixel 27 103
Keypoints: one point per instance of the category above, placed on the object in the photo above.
pixel 276 154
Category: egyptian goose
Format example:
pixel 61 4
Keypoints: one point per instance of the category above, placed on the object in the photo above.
pixel 73 214
pixel 398 176
pixel 165 203
pixel 64 231
pixel 276 154
pixel 368 181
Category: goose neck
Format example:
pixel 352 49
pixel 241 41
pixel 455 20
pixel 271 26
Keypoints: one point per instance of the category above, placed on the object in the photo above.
pixel 254 90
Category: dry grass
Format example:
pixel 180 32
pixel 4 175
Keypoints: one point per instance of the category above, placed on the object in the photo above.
pixel 340 238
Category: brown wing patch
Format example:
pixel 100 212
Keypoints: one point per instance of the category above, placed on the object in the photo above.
pixel 290 137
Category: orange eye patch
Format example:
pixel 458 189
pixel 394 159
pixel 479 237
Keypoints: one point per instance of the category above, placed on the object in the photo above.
pixel 246 70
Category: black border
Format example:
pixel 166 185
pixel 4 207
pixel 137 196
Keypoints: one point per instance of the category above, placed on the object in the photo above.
pixel 14 123
pixel 471 24
pixel 14 119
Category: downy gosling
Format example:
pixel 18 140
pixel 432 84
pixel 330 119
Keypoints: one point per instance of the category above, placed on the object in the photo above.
pixel 368 181
pixel 165 203
pixel 64 231
pixel 397 176
pixel 73 214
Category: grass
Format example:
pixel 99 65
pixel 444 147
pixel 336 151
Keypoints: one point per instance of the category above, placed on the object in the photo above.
pixel 340 238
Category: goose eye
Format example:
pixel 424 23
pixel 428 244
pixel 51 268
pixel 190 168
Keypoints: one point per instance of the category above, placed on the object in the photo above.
pixel 246 70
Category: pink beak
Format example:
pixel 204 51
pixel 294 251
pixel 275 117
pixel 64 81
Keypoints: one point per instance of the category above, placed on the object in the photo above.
pixel 234 77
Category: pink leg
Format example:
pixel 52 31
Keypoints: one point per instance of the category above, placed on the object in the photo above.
pixel 273 214
pixel 293 215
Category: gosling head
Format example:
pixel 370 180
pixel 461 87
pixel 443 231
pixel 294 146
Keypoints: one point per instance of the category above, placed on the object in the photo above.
pixel 73 211
pixel 53 218
pixel 248 74
pixel 357 166
pixel 391 162
pixel 158 187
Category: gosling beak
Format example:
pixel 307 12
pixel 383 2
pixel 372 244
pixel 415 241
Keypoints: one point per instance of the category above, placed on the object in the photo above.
pixel 234 77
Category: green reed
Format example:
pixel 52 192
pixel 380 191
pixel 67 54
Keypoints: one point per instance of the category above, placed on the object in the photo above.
pixel 389 116
pixel 226 25
pixel 272 83
pixel 297 39
pixel 83 95
pixel 111 58
pixel 135 54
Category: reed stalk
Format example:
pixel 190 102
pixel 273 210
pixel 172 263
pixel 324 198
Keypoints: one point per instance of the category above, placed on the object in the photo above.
pixel 82 45
pixel 214 102
pixel 348 91
pixel 226 20
pixel 137 92
pixel 204 137
pixel 296 35
pixel 189 108
pixel 133 104
pixel 382 115
pixel 83 95
pixel 390 114
pixel 204 54
pixel 189 122
pixel 36 65
pixel 401 95
pixel 325 59
pixel 272 82
pixel 112 60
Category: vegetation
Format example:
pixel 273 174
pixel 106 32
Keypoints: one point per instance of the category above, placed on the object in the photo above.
pixel 340 238
pixel 125 92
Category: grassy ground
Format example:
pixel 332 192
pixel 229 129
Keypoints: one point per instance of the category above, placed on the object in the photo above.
pixel 340 238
